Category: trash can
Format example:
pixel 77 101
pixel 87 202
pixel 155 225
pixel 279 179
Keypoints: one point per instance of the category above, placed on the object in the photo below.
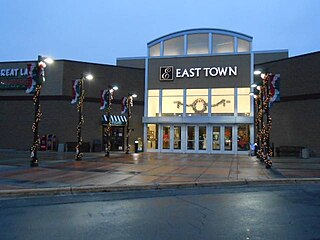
pixel 136 146
pixel 305 153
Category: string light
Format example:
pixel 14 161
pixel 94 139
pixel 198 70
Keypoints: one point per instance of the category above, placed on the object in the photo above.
pixel 79 154
pixel 263 122
pixel 107 132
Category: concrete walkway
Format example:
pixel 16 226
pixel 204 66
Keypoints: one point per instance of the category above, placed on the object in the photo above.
pixel 61 171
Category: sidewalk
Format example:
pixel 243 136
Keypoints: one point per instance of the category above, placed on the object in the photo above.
pixel 128 171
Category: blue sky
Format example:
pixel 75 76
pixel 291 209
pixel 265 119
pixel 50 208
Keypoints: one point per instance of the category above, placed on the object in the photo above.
pixel 100 31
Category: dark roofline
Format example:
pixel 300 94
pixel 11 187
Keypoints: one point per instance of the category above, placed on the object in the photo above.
pixel 100 64
pixel 289 58
pixel 74 61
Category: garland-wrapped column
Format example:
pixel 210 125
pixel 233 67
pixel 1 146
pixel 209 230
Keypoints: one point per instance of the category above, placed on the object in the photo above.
pixel 79 154
pixel 35 126
pixel 106 101
pixel 35 80
pixel 129 105
pixel 264 122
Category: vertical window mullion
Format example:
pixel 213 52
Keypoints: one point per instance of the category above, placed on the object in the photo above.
pixel 209 102
pixel 184 102
pixel 160 102
pixel 185 44
pixel 235 44
pixel 235 95
pixel 210 43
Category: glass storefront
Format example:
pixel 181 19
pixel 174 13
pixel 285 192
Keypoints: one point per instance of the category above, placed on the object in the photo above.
pixel 199 138
pixel 220 103
pixel 223 102
pixel 198 98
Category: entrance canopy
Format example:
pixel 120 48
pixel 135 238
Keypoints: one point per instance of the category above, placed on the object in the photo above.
pixel 114 120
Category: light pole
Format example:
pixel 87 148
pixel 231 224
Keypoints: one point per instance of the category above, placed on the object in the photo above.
pixel 36 78
pixel 107 97
pixel 78 86
pixel 263 119
pixel 129 104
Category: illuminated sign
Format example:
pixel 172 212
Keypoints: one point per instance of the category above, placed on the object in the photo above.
pixel 13 78
pixel 167 73
pixel 13 72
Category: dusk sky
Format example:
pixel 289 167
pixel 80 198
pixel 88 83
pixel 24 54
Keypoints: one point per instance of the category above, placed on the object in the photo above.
pixel 100 31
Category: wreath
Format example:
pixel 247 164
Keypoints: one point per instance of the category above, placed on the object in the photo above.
pixel 199 105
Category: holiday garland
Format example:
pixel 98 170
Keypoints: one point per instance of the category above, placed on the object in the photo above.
pixel 35 80
pixel 106 101
pixel 264 122
pixel 200 105
pixel 81 121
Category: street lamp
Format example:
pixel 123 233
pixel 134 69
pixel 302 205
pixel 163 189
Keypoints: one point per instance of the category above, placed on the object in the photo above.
pixel 36 78
pixel 79 97
pixel 127 104
pixel 107 97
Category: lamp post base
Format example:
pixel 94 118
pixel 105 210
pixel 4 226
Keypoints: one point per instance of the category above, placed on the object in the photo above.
pixel 34 162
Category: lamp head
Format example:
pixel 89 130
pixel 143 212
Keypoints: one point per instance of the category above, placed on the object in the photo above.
pixel 88 76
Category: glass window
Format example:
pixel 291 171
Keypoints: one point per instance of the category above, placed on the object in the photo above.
pixel 244 101
pixel 172 102
pixel 174 46
pixel 155 50
pixel 228 138
pixel 166 137
pixel 153 103
pixel 197 102
pixel 202 141
pixel 198 44
pixel 216 138
pixel 152 136
pixel 222 100
pixel 191 138
pixel 177 137
pixel 222 43
pixel 243 45
pixel 243 137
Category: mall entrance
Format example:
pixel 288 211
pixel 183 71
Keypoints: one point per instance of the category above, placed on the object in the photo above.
pixel 194 138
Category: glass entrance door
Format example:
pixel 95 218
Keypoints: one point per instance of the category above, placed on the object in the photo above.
pixel 228 144
pixel 191 137
pixel 203 138
pixel 171 138
pixel 216 138
pixel 177 137
pixel 196 138
pixel 166 137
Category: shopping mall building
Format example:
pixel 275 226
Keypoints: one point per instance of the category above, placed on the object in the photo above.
pixel 193 97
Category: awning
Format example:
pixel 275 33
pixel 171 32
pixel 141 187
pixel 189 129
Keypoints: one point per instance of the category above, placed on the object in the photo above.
pixel 114 119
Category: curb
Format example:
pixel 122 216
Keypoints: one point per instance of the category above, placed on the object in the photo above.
pixel 154 186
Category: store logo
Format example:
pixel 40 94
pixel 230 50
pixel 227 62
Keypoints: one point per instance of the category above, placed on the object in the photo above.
pixel 166 73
